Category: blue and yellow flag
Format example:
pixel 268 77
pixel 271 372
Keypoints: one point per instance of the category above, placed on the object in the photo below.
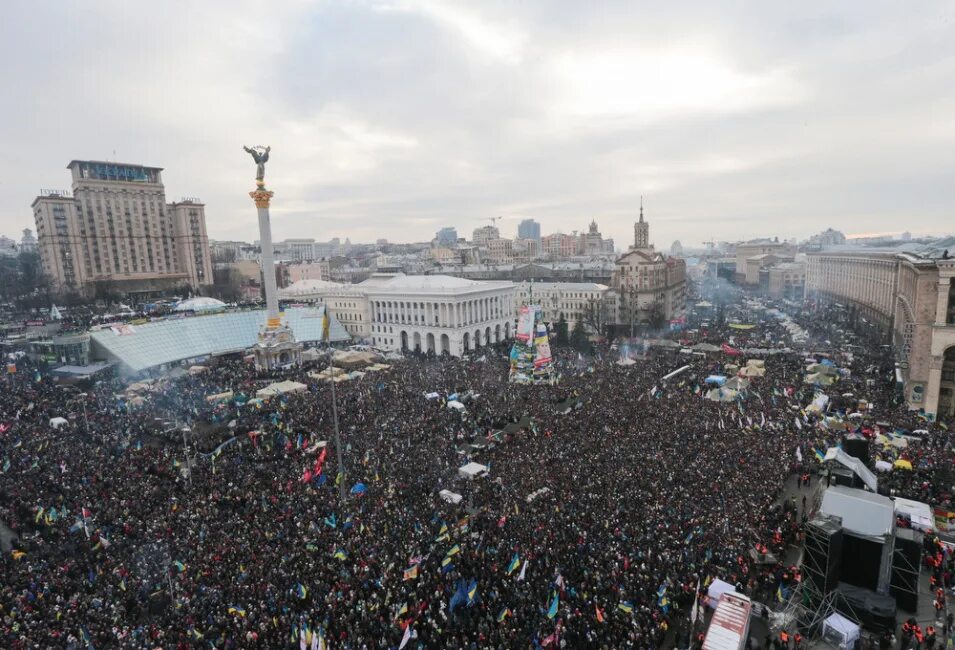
pixel 300 591
pixel 554 603
pixel 514 565
pixel 236 610
pixel 504 614
pixel 625 606
pixel 340 554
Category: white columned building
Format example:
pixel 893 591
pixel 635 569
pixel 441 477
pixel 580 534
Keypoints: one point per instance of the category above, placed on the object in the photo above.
pixel 439 313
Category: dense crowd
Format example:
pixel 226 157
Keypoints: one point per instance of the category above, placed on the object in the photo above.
pixel 594 528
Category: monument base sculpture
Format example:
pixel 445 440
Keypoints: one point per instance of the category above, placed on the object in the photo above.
pixel 277 348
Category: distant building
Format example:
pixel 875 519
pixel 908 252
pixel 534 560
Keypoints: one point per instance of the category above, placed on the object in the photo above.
pixel 308 271
pixel 529 229
pixel 827 239
pixel 650 286
pixel 747 268
pixel 299 250
pixel 481 235
pixel 117 229
pixel 787 280
pixel 500 251
pixel 591 242
pixel 28 243
pixel 676 249
pixel 559 245
pixel 446 237
pixel 8 247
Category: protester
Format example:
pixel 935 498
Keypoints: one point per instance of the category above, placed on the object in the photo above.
pixel 594 529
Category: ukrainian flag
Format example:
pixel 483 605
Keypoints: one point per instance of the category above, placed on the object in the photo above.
pixel 472 592
pixel 554 603
pixel 340 554
pixel 454 550
pixel 514 565
pixel 504 614
pixel 300 591
pixel 820 456
pixel 180 567
pixel 625 606
pixel 236 610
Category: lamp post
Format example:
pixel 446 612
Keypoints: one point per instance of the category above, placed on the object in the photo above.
pixel 82 397
pixel 185 453
pixel 338 438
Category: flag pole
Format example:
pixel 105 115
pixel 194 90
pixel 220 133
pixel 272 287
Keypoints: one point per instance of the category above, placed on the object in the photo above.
pixel 326 334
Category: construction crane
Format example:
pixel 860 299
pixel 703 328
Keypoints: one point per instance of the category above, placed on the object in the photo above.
pixel 493 220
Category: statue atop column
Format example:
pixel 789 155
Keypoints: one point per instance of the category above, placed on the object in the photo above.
pixel 260 155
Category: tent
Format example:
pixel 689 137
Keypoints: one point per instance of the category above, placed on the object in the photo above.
pixel 311 354
pixel 756 363
pixel 752 371
pixel 819 379
pixel 456 405
pixel 281 388
pixel 717 380
pixel 840 632
pixel 716 589
pixel 737 383
pixel 449 496
pixel 722 394
pixel 903 464
pixel 58 422
pixel 198 370
pixel 883 466
pixel 707 347
pixel 220 397
pixel 472 471
pixel 919 514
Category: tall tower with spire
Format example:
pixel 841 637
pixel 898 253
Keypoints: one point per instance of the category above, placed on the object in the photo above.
pixel 641 230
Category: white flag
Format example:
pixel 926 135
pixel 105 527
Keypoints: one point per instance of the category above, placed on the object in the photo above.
pixel 799 454
pixel 405 638
pixel 520 578
pixel 696 605
pixel 315 636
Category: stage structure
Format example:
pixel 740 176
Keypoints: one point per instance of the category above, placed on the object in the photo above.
pixel 276 346
pixel 531 361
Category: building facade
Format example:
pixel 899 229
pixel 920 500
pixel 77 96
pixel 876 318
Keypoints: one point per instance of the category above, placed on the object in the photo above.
pixel 782 251
pixel 427 313
pixel 308 271
pixel 482 235
pixel 650 287
pixel 440 314
pixel 787 280
pixel 910 300
pixel 529 229
pixel 575 301
pixel 559 245
pixel 116 228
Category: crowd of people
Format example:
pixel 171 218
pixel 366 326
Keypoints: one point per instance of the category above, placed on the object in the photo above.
pixel 595 528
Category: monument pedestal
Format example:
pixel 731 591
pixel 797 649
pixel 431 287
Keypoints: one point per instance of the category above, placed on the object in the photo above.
pixel 276 347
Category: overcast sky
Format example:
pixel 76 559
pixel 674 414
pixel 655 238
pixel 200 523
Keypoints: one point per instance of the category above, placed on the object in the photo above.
pixel 393 118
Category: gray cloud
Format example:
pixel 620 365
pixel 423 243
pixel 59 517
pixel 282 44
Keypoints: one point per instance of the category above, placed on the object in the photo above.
pixel 391 119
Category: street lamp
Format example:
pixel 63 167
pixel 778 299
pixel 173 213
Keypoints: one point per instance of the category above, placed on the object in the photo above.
pixel 82 397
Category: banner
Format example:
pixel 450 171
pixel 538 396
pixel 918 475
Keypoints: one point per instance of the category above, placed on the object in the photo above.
pixel 542 356
pixel 525 324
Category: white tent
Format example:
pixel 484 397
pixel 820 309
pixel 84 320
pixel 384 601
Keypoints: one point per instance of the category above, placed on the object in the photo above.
pixel 472 471
pixel 55 313
pixel 449 496
pixel 58 422
pixel 456 405
pixel 920 514
pixel 280 388
pixel 716 589
pixel 840 632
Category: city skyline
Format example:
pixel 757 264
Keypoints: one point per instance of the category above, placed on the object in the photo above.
pixel 394 119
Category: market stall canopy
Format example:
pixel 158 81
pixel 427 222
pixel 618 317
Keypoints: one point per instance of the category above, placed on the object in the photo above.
pixel 752 371
pixel 281 388
pixel 472 470
pixel 449 496
pixel 722 394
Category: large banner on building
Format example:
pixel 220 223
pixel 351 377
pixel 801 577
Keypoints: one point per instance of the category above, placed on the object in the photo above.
pixel 525 324
pixel 542 349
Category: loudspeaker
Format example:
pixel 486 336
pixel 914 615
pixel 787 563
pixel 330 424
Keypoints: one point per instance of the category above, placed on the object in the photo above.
pixel 845 476
pixel 823 554
pixel 874 611
pixel 861 561
pixel 857 447
pixel 906 566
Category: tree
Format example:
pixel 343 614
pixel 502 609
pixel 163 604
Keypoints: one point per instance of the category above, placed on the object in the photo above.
pixel 593 315
pixel 227 284
pixel 578 338
pixel 560 336
pixel 655 315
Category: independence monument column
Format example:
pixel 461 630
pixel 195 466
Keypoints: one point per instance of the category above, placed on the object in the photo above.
pixel 276 346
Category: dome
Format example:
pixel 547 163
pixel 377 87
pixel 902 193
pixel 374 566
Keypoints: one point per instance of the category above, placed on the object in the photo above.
pixel 200 304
